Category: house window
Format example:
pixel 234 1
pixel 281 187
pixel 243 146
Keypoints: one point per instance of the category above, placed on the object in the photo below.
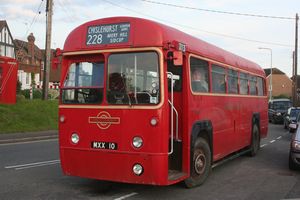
pixel 28 76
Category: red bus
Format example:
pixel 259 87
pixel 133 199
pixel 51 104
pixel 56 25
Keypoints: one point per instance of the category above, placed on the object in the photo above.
pixel 144 103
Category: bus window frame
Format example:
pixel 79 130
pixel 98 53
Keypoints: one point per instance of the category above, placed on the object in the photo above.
pixel 87 96
pixel 227 67
pixel 131 103
pixel 225 72
pixel 244 78
pixel 209 79
pixel 67 57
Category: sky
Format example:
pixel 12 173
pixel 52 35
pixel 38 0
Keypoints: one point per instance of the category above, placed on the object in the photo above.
pixel 241 35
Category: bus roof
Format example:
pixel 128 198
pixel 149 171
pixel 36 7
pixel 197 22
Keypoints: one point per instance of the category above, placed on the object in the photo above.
pixel 145 33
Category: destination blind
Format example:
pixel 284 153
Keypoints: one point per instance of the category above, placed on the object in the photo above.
pixel 107 34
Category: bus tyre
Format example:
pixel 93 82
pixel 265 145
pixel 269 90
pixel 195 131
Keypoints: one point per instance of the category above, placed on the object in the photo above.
pixel 255 141
pixel 200 163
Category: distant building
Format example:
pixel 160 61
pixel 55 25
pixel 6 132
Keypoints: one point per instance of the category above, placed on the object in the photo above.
pixel 8 66
pixel 31 63
pixel 281 83
pixel 7 47
pixel 54 76
pixel 30 60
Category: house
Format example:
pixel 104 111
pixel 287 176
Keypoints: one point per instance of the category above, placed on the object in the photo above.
pixel 31 67
pixel 30 60
pixel 8 66
pixel 54 74
pixel 281 83
pixel 7 47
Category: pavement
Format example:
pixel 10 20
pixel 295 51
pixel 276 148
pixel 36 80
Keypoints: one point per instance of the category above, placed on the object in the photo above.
pixel 28 136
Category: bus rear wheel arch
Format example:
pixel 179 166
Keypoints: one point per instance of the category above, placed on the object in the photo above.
pixel 200 163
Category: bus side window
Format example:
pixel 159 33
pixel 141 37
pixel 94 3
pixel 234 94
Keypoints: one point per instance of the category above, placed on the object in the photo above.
pixel 252 85
pixel 243 84
pixel 260 86
pixel 232 82
pixel 199 75
pixel 218 79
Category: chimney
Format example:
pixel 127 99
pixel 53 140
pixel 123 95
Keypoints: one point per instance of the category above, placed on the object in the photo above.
pixel 31 40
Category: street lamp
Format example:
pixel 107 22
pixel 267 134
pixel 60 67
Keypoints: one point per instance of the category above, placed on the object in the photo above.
pixel 270 89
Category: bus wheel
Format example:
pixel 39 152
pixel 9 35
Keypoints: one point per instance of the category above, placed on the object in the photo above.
pixel 200 165
pixel 255 141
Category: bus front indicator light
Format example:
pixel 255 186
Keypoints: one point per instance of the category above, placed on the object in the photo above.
pixel 137 169
pixel 137 142
pixel 75 138
pixel 153 121
pixel 62 118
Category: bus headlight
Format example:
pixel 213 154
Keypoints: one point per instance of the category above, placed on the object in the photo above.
pixel 137 169
pixel 153 121
pixel 75 138
pixel 137 142
pixel 62 118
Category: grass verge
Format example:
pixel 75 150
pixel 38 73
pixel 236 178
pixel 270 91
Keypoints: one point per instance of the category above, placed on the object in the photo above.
pixel 29 115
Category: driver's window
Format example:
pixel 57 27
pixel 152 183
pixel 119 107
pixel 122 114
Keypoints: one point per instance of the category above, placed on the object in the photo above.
pixel 133 78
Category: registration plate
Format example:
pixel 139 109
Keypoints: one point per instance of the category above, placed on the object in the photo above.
pixel 104 145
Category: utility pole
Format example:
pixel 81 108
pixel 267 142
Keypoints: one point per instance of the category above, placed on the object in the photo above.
pixel 296 103
pixel 293 81
pixel 49 13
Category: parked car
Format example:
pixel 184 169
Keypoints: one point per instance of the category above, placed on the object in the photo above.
pixel 290 116
pixel 294 156
pixel 277 109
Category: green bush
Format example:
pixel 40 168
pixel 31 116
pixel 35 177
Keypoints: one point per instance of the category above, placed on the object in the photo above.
pixel 282 96
pixel 19 86
pixel 37 93
pixel 20 97
pixel 53 93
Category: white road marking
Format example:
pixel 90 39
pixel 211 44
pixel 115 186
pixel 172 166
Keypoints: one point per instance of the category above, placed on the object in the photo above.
pixel 263 145
pixel 272 141
pixel 31 165
pixel 278 138
pixel 29 142
pixel 126 196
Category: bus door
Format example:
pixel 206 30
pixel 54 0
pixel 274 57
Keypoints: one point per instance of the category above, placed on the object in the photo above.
pixel 175 100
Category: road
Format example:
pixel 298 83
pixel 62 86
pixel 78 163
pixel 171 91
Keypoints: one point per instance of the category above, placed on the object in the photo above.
pixel 32 171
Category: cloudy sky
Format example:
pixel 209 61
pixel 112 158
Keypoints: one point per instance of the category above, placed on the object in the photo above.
pixel 239 34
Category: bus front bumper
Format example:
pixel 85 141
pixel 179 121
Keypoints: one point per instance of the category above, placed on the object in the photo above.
pixel 115 165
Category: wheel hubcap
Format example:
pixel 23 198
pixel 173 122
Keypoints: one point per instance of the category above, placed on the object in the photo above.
pixel 200 163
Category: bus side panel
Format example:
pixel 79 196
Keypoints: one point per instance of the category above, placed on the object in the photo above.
pixel 231 119
pixel 212 109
